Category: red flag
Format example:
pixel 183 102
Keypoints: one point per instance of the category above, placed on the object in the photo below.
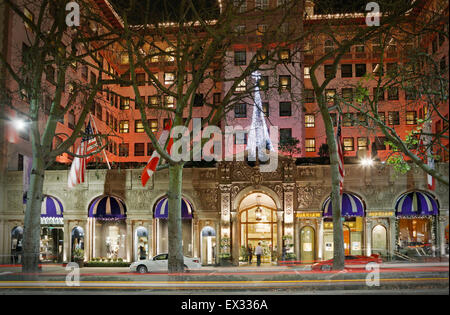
pixel 78 168
pixel 340 154
pixel 150 168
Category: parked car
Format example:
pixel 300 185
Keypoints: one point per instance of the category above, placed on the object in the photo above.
pixel 349 261
pixel 160 263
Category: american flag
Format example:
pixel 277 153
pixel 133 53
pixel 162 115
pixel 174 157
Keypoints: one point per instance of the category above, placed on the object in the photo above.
pixel 87 146
pixel 341 155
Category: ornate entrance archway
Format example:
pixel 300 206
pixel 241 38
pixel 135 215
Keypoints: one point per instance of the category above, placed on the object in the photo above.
pixel 257 215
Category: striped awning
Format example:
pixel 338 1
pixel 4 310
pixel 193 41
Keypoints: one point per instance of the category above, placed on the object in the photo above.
pixel 162 209
pixel 416 204
pixel 51 211
pixel 352 206
pixel 108 208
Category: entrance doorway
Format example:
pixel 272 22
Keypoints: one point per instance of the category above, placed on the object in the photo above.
pixel 307 243
pixel 258 223
pixel 208 245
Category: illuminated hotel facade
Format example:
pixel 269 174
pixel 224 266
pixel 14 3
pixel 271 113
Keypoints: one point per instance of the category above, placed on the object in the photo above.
pixel 226 206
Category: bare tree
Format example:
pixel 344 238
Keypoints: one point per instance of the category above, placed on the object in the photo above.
pixel 52 48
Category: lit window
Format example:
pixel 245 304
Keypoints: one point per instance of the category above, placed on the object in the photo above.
pixel 138 126
pixel 242 86
pixel 285 82
pixel 153 123
pixel 124 59
pixel 309 120
pixel 169 78
pixel 241 5
pixel 411 117
pixel 394 118
pixel 306 72
pixel 348 144
pixel 124 126
pixel 29 16
pixel 153 100
pixel 330 95
pixel 263 83
pixel 261 4
pixel 124 103
pixel 170 56
pixel 261 29
pixel 310 145
pixel 169 101
pixel 363 143
pixel 285 55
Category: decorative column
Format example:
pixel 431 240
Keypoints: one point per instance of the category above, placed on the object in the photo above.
pixel 129 239
pixel 151 251
pixel 225 216
pixel 368 236
pixel 289 209
pixel 195 238
pixel 279 234
pixel 320 240
pixel 297 239
pixel 67 242
pixel 235 239
pixel 218 238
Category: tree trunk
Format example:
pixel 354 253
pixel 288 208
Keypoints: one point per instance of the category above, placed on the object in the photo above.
pixel 32 226
pixel 176 260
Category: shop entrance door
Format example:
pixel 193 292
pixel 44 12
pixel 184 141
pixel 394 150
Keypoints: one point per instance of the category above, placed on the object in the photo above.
pixel 346 240
pixel 307 244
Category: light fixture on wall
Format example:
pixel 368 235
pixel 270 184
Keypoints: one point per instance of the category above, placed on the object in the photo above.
pixel 258 211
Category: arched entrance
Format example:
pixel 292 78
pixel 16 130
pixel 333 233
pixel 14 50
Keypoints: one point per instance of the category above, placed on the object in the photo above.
pixel 258 223
pixel 77 240
pixel 52 230
pixel 379 240
pixel 307 244
pixel 208 245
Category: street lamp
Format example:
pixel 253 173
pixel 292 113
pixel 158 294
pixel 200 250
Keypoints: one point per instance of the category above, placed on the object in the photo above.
pixel 366 162
pixel 19 124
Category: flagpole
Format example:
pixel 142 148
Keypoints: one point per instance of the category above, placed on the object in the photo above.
pixel 96 131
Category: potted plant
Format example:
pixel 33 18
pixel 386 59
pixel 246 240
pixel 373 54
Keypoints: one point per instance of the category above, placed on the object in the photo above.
pixel 78 257
pixel 225 256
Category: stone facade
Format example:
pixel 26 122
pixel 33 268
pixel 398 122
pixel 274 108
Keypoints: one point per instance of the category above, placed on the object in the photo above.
pixel 216 193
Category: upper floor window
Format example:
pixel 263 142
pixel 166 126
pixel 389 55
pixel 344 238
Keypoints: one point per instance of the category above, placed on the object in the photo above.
pixel 411 117
pixel 394 118
pixel 124 126
pixel 138 126
pixel 310 145
pixel 285 82
pixel 309 120
pixel 285 55
pixel 347 70
pixel 241 5
pixel 169 78
pixel 328 46
pixel 261 4
pixel 360 69
pixel 242 86
pixel 240 58
pixel 240 110
pixel 285 109
pixel 348 144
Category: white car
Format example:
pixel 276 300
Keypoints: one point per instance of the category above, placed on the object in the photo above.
pixel 160 263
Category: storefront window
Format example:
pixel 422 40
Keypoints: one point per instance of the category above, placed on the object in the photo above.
pixel 77 239
pixel 141 243
pixel 16 245
pixel 414 236
pixel 51 244
pixel 110 239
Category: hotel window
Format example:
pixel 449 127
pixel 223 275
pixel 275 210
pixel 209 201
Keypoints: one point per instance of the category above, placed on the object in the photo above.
pixel 240 110
pixel 154 55
pixel 198 100
pixel 285 82
pixel 307 72
pixel 393 93
pixel 240 58
pixel 310 145
pixel 170 54
pixel 124 58
pixel 347 71
pixel 241 5
pixel 261 4
pixel 360 69
pixel 261 29
pixel 363 143
pixel 285 109
pixel 330 95
pixel 169 101
pixel 285 55
pixel 263 83
pixel 124 148
pixel 265 108
pixel 382 117
pixel 242 86
pixel 394 118
pixel 378 94
pixel 411 117
pixel 124 103
pixel 285 134
pixel 153 124
pixel 150 148
pixel 140 79
pixel 347 94
pixel 124 126
pixel 138 126
pixel 348 144
pixel 153 100
pixel 380 143
pixel 329 46
pixel 139 149
pixel 310 120
pixel 347 120
pixel 309 96
pixel 169 78
pixel 261 55
pixel 329 73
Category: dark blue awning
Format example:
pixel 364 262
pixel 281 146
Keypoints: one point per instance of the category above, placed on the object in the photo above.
pixel 108 208
pixel 352 206
pixel 51 211
pixel 416 204
pixel 162 209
